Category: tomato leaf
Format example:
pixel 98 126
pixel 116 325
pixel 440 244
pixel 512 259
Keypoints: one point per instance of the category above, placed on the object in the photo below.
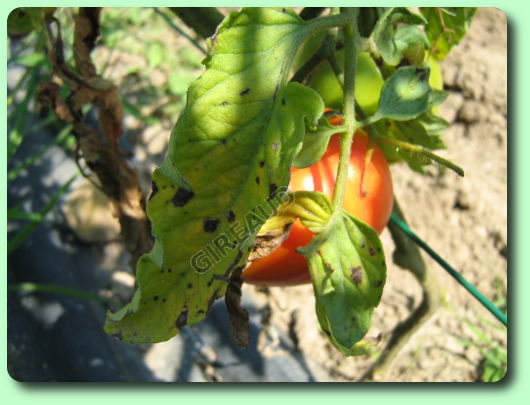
pixel 227 166
pixel 425 131
pixel 315 144
pixel 405 94
pixel 396 32
pixel 348 272
pixel 446 26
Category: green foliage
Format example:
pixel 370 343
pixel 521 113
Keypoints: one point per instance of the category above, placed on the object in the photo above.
pixel 241 130
pixel 446 27
pixel 36 220
pixel 348 272
pixel 494 364
pixel 405 94
pixel 315 143
pixel 395 32
pixel 229 154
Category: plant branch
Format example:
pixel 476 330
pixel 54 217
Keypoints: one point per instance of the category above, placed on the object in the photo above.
pixel 350 64
pixel 202 20
pixel 172 24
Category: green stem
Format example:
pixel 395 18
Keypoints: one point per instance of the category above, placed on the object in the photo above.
pixel 179 30
pixel 421 150
pixel 326 23
pixel 55 289
pixel 351 39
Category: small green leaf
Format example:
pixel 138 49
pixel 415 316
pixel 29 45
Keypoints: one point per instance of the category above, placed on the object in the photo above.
pixel 405 94
pixel 425 131
pixel 446 26
pixel 437 97
pixel 227 167
pixel 348 272
pixel 396 32
pixel 315 144
pixel 31 59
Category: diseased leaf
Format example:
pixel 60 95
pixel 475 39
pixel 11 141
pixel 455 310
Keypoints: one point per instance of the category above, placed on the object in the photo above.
pixel 446 26
pixel 405 94
pixel 348 272
pixel 396 32
pixel 225 172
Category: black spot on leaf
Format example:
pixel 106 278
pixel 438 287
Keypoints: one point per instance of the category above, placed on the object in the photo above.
pixel 261 163
pixel 231 216
pixel 244 92
pixel 257 179
pixel 210 224
pixel 182 196
pixel 272 190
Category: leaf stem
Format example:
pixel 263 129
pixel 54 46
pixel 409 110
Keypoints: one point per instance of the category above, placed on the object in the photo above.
pixel 351 39
pixel 328 22
pixel 421 150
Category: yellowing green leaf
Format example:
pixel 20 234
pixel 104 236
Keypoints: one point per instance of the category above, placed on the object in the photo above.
pixel 227 166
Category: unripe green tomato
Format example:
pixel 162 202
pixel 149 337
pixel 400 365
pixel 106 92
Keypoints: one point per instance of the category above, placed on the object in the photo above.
pixel 368 83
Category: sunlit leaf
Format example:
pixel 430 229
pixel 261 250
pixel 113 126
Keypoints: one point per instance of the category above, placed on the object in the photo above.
pixel 348 272
pixel 227 166
pixel 405 94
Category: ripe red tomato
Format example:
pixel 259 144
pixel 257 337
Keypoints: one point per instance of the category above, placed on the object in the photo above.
pixel 369 197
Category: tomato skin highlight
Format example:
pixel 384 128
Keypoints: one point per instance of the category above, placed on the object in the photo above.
pixel 368 197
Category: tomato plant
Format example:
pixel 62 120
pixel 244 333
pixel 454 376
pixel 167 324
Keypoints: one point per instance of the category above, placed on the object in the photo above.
pixel 252 127
pixel 368 197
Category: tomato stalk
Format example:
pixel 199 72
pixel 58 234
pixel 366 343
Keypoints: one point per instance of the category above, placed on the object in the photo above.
pixel 325 23
pixel 351 48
